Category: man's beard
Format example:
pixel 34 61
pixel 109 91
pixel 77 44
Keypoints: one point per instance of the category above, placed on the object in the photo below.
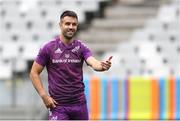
pixel 69 36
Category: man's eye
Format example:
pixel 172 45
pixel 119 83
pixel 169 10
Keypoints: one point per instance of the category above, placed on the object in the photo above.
pixel 67 24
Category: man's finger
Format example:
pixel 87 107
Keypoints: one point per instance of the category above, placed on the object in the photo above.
pixel 53 105
pixel 105 65
pixel 55 102
pixel 110 58
pixel 48 106
pixel 108 62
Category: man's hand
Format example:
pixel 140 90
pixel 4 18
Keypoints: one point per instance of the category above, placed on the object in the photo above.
pixel 49 101
pixel 106 64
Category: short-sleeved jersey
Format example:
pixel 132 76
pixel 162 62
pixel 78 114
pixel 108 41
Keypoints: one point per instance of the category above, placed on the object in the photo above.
pixel 64 67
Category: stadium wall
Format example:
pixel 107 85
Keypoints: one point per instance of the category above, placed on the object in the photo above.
pixel 133 98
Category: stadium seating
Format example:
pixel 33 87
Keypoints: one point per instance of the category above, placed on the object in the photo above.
pixel 26 25
pixel 119 22
pixel 156 45
pixel 6 69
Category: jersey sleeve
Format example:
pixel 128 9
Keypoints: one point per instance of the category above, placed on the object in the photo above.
pixel 43 56
pixel 86 52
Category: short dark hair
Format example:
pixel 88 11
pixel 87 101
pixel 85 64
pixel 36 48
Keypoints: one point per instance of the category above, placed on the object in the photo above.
pixel 68 13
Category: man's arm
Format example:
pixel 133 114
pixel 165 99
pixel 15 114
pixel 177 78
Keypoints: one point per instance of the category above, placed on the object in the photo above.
pixel 99 65
pixel 37 83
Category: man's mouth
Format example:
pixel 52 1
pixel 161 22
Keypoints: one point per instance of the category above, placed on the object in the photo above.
pixel 70 32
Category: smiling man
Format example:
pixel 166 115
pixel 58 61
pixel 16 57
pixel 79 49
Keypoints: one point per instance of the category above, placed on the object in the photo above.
pixel 64 57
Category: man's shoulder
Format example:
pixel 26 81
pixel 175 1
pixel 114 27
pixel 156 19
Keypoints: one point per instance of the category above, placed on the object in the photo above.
pixel 79 42
pixel 49 44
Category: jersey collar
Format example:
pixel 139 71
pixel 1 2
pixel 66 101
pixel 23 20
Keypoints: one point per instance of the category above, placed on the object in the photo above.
pixel 68 46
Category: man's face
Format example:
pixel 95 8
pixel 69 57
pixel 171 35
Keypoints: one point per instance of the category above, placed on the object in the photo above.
pixel 68 27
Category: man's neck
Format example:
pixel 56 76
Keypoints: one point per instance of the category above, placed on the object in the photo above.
pixel 65 41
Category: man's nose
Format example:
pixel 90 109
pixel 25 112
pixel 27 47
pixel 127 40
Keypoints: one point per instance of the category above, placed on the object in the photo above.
pixel 70 26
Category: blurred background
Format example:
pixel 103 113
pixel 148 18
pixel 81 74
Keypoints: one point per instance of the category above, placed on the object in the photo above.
pixel 143 36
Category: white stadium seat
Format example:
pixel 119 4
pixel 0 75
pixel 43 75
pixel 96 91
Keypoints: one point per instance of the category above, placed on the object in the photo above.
pixel 6 69
pixel 30 50
pixel 10 50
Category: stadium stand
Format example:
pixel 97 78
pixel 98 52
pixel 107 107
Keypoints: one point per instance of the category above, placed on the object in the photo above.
pixel 155 46
pixel 119 23
pixel 27 25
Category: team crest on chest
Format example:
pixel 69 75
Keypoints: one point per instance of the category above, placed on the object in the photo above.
pixel 67 55
pixel 75 49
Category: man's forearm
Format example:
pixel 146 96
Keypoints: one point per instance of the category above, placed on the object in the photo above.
pixel 36 81
pixel 99 65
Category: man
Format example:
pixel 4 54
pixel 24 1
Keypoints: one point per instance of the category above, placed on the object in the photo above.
pixel 63 58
